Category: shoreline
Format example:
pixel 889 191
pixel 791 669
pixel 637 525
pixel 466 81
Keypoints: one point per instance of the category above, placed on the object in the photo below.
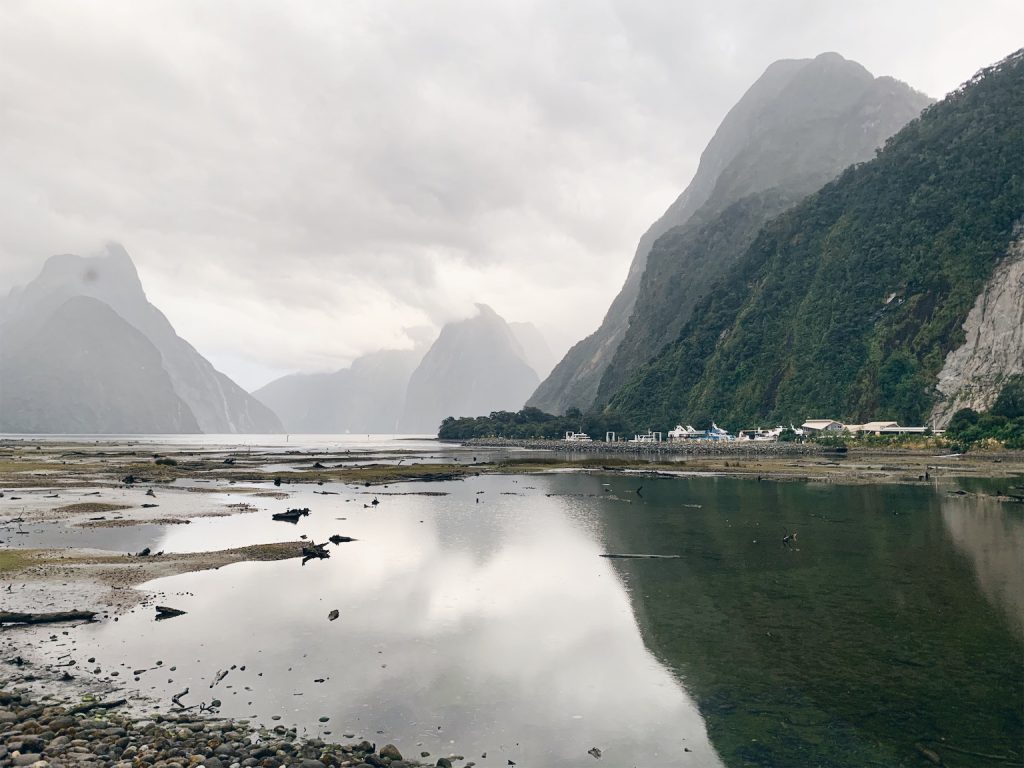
pixel 84 486
pixel 43 731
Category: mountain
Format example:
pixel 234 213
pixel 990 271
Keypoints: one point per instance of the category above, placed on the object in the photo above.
pixel 535 347
pixel 366 397
pixel 83 369
pixel 215 403
pixel 854 303
pixel 798 126
pixel 475 366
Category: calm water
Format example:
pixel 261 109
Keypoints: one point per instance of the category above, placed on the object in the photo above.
pixel 486 621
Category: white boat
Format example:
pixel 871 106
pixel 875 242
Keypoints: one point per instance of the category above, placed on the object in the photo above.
pixel 686 433
pixel 650 437
pixel 577 437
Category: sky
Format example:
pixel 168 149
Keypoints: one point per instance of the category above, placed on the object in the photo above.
pixel 301 183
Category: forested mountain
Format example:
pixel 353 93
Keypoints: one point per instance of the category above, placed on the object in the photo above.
pixel 365 397
pixel 213 403
pixel 475 366
pixel 848 305
pixel 798 126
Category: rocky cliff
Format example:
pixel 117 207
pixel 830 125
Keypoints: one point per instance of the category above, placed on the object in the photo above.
pixel 366 397
pixel 799 125
pixel 851 303
pixel 476 366
pixel 993 350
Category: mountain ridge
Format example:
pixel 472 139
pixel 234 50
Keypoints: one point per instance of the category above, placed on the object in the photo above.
pixel 848 304
pixel 735 164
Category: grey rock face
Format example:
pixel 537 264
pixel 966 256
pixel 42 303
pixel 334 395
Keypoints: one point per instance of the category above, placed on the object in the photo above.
pixel 216 403
pixel 366 397
pixel 476 366
pixel 535 347
pixel 796 128
pixel 83 369
pixel 973 374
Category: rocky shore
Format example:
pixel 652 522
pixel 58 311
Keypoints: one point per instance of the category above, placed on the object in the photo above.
pixel 690 448
pixel 43 734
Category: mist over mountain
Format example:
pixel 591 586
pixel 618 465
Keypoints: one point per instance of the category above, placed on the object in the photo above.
pixel 49 310
pixel 535 347
pixel 798 126
pixel 83 369
pixel 368 396
pixel 894 292
pixel 476 366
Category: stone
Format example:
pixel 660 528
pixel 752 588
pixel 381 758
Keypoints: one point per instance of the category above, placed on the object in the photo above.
pixel 443 762
pixel 390 752
pixel 27 758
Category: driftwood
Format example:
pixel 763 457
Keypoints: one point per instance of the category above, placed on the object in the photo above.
pixel 292 515
pixel 336 539
pixel 96 705
pixel 9 617
pixel 642 557
pixel 163 612
pixel 314 552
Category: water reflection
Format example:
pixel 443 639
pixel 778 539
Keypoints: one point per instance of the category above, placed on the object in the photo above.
pixel 991 534
pixel 867 639
pixel 491 626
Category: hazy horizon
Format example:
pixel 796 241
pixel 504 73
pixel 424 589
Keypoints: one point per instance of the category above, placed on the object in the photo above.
pixel 301 185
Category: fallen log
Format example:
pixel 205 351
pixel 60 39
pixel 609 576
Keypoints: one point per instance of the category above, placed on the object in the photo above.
pixel 314 551
pixel 641 557
pixel 10 617
pixel 292 515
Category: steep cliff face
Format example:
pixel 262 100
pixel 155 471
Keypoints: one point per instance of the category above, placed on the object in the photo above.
pixel 801 123
pixel 993 349
pixel 366 397
pixel 82 369
pixel 535 347
pixel 476 366
pixel 218 404
pixel 849 303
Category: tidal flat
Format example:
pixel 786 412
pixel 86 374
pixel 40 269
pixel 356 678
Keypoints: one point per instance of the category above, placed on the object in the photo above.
pixel 475 614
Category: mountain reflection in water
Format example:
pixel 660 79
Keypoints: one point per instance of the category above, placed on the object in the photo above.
pixel 488 627
pixel 487 622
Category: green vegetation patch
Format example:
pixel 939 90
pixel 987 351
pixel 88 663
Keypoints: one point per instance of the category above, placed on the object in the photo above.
pixel 11 560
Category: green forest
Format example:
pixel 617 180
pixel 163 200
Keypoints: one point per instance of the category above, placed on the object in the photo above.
pixel 847 305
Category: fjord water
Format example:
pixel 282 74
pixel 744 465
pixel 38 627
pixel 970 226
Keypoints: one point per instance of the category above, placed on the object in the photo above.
pixel 485 621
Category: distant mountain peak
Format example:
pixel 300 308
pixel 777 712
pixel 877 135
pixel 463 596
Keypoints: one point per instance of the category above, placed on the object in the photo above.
pixel 798 126
pixel 110 278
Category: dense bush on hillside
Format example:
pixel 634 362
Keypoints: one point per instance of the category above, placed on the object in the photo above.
pixel 528 424
pixel 1004 422
pixel 848 304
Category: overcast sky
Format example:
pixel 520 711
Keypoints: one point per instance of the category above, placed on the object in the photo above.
pixel 303 182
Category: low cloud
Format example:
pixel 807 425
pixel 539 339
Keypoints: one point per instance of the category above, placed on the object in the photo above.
pixel 300 182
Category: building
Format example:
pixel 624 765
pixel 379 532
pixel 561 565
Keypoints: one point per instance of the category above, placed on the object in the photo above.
pixel 822 425
pixel 871 428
